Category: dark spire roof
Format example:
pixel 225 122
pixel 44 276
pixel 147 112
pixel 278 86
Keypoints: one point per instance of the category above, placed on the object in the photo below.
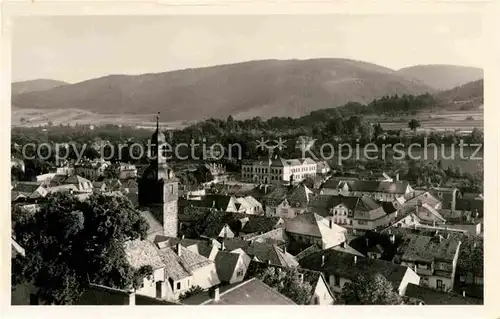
pixel 158 136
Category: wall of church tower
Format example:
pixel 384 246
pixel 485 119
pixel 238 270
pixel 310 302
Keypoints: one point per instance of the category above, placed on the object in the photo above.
pixel 170 219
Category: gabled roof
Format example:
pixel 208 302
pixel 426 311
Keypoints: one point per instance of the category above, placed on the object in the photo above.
pixel 312 224
pixel 297 195
pixel 369 214
pixel 202 247
pixel 225 263
pixel 345 248
pixel 349 266
pixel 142 253
pixel 426 248
pixel 262 251
pixel 260 224
pixel 26 187
pixel 424 198
pixel 181 264
pixel 427 208
pixel 251 292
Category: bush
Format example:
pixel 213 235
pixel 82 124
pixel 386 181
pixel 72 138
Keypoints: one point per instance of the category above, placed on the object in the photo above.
pixel 194 290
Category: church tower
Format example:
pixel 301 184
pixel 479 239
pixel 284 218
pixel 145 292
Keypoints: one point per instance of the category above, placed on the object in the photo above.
pixel 158 186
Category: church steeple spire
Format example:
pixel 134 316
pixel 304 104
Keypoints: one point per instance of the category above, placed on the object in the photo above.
pixel 158 122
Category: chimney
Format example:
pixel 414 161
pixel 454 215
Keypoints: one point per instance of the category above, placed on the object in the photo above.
pixel 322 260
pixel 434 223
pixel 284 250
pixel 397 177
pixel 342 244
pixel 463 293
pixel 269 261
pixel 355 259
pixel 179 249
pixel 415 268
pixel 131 297
pixel 182 237
pixel 393 239
pixel 214 294
pixel 330 223
pixel 222 246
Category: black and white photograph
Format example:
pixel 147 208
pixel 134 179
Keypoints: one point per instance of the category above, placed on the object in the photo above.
pixel 332 159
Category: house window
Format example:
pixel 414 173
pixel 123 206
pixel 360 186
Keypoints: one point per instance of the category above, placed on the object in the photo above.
pixel 33 299
pixel 178 285
pixel 439 284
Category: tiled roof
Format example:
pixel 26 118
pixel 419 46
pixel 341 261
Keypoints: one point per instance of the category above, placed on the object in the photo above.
pixel 312 224
pixel 427 208
pixel 26 187
pixel 369 214
pixel 260 224
pixel 276 236
pixel 262 251
pixel 349 266
pixel 427 248
pixel 308 251
pixel 201 246
pixel 434 297
pixel 252 292
pixel 179 267
pixel 424 198
pixel 344 248
pixel 142 253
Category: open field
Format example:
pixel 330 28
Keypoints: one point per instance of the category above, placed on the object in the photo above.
pixel 440 121
pixel 36 117
pixel 444 120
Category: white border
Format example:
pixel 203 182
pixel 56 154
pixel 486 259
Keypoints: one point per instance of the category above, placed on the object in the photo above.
pixel 491 67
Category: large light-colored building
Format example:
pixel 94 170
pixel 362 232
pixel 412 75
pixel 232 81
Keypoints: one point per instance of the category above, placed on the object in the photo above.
pixel 278 170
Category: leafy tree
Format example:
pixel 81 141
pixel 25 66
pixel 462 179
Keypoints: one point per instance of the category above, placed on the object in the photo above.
pixel 414 124
pixel 370 290
pixel 287 282
pixel 69 243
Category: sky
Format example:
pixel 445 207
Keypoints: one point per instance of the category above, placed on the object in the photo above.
pixel 79 48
